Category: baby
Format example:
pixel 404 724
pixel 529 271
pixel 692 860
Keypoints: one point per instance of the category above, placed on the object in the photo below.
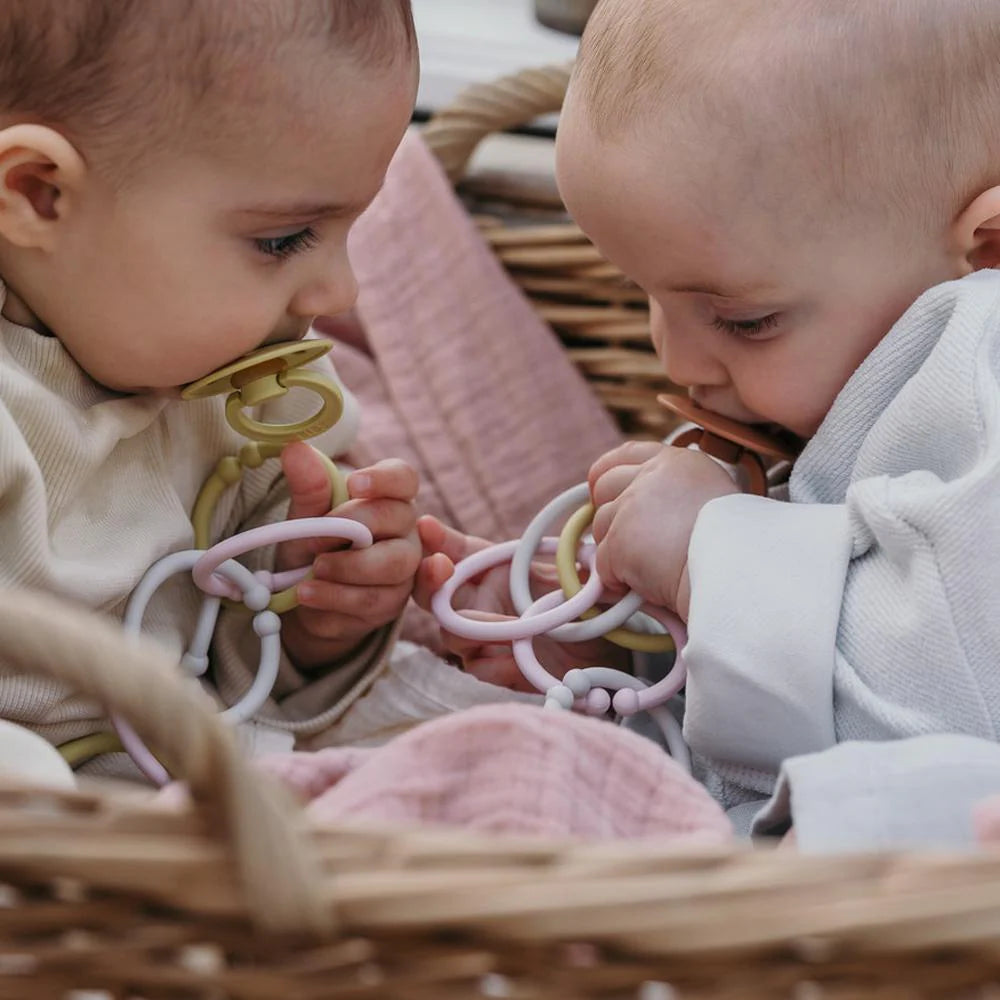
pixel 177 184
pixel 809 192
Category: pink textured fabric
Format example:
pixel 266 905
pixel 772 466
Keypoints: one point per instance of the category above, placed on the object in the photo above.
pixel 513 769
pixel 499 419
pixel 454 371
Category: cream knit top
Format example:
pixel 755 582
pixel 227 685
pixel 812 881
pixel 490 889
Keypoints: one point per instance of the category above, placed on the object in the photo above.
pixel 96 486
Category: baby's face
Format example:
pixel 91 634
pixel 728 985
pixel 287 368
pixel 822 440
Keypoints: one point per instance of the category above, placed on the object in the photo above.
pixel 764 300
pixel 203 258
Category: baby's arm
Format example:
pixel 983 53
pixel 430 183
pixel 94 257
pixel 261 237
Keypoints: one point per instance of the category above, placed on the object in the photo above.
pixel 864 609
pixel 767 584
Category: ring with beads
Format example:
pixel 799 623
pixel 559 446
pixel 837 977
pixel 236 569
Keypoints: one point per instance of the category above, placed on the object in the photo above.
pixel 266 624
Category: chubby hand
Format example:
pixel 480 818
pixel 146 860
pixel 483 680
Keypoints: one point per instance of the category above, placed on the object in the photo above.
pixel 647 497
pixel 487 597
pixel 352 593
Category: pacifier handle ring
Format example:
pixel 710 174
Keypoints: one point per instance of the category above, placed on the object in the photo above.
pixel 330 411
pixel 729 452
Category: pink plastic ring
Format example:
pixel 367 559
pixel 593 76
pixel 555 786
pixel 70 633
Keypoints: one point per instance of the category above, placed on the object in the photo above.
pixel 517 628
pixel 210 582
pixel 626 700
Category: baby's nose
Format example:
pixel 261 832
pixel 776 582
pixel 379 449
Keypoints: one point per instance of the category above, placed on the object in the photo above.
pixel 687 359
pixel 331 290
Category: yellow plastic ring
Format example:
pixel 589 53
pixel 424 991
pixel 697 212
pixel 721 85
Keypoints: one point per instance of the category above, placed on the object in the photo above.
pixel 330 411
pixel 78 752
pixel 569 580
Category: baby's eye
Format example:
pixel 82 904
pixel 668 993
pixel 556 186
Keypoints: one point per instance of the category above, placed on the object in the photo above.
pixel 284 247
pixel 746 327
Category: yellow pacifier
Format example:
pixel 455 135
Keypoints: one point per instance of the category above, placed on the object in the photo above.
pixel 265 375
pixel 258 378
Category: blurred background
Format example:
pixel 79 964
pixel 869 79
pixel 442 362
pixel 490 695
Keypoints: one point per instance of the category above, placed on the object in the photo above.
pixel 468 41
pixel 498 151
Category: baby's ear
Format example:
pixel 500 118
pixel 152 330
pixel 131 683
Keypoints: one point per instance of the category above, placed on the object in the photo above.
pixel 976 231
pixel 41 174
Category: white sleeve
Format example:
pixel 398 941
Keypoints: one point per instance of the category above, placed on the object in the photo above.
pixel 767 580
pixel 868 611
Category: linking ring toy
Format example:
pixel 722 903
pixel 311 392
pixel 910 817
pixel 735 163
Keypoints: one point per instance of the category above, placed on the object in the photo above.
pixel 205 569
pixel 505 631
pixel 569 580
pixel 259 377
pixel 267 625
pixel 552 615
pixel 520 574
pixel 587 687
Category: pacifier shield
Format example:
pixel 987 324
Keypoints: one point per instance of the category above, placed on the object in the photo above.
pixel 266 361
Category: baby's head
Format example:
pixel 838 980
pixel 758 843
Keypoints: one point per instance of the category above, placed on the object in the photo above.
pixel 177 180
pixel 784 179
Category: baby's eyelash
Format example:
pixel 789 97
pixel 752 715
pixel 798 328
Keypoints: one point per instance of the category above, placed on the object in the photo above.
pixel 746 327
pixel 283 247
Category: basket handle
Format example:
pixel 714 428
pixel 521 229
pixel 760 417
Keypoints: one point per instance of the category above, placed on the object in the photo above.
pixel 135 678
pixel 483 108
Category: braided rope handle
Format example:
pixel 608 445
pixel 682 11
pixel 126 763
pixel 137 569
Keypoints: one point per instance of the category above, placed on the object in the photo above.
pixel 454 133
pixel 137 679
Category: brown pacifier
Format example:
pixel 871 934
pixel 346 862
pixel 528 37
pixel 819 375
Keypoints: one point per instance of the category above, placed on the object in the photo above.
pixel 730 441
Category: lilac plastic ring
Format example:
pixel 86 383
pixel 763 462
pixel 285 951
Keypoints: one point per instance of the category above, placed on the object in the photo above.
pixel 611 618
pixel 211 582
pixel 518 628
pixel 631 695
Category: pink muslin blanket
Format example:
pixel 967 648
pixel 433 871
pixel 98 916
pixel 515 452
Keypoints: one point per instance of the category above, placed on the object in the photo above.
pixel 453 368
pixel 476 387
pixel 514 769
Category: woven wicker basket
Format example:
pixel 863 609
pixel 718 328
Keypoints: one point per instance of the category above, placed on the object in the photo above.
pixel 237 897
pixel 599 316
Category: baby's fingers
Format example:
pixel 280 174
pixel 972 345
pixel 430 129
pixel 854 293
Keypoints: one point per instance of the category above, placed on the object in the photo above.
pixel 384 518
pixel 391 479
pixel 432 574
pixel 371 606
pixel 392 562
pixel 436 536
pixel 630 453
pixel 613 483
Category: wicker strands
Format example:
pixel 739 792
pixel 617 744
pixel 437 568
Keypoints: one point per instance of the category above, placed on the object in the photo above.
pixel 602 320
pixel 237 897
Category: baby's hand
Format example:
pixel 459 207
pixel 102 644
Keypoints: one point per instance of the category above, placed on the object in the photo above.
pixel 648 497
pixel 487 597
pixel 352 593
